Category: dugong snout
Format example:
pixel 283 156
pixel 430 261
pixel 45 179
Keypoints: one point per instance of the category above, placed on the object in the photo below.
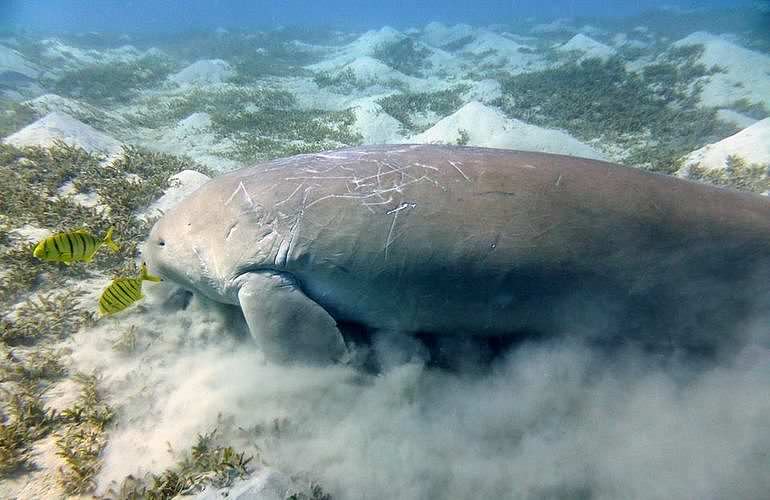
pixel 152 252
pixel 163 255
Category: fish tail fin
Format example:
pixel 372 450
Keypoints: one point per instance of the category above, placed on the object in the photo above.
pixel 39 250
pixel 144 275
pixel 108 241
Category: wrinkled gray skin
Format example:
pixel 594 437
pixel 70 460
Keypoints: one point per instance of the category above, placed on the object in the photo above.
pixel 466 241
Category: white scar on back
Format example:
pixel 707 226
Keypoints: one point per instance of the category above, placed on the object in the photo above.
pixel 395 213
pixel 456 165
pixel 242 188
pixel 290 196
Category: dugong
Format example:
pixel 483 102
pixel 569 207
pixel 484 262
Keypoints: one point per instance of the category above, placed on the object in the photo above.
pixel 446 240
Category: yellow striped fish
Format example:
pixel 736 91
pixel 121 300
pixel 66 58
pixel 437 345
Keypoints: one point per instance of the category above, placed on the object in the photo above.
pixel 123 292
pixel 71 246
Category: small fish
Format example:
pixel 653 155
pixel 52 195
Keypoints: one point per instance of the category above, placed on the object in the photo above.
pixel 71 246
pixel 123 292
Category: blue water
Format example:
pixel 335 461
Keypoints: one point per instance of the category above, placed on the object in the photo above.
pixel 647 382
pixel 180 15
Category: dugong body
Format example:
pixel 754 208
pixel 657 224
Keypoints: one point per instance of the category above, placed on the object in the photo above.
pixel 466 241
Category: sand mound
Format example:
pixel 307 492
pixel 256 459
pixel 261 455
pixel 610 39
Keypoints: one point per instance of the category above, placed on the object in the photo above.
pixel 365 45
pixel 266 484
pixel 499 50
pixel 359 54
pixel 588 46
pixel 484 91
pixel 181 185
pixel 486 126
pixel 196 122
pixel 623 40
pixel 738 119
pixel 60 126
pixel 12 61
pixel 369 41
pixel 203 72
pixel 67 55
pixel 359 57
pixel 374 125
pixel 192 136
pixel 438 34
pixel 746 76
pixel 555 26
pixel 50 103
pixel 370 70
pixel 752 144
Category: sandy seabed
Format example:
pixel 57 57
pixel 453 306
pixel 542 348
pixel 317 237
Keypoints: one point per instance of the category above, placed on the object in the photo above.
pixel 550 419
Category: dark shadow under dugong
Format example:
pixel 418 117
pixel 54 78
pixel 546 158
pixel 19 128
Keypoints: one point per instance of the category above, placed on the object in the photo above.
pixel 423 239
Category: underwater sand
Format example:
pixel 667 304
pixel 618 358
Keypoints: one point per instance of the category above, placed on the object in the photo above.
pixel 549 419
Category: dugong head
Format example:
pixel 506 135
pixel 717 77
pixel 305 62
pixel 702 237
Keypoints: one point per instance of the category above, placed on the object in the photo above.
pixel 208 239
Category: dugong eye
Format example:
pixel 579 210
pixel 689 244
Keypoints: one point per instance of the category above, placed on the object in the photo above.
pixel 161 243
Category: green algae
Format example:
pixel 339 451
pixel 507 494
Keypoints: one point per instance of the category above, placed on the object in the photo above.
pixel 26 374
pixel 404 55
pixel 115 81
pixel 258 123
pixel 403 106
pixel 31 178
pixel 268 133
pixel 39 308
pixel 343 82
pixel 82 437
pixel 207 463
pixel 755 110
pixel 737 174
pixel 25 420
pixel 315 492
pixel 254 56
pixel 232 99
pixel 650 115
pixel 463 137
pixel 14 116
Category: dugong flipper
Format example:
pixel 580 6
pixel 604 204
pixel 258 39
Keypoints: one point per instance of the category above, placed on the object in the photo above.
pixel 442 241
pixel 287 325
